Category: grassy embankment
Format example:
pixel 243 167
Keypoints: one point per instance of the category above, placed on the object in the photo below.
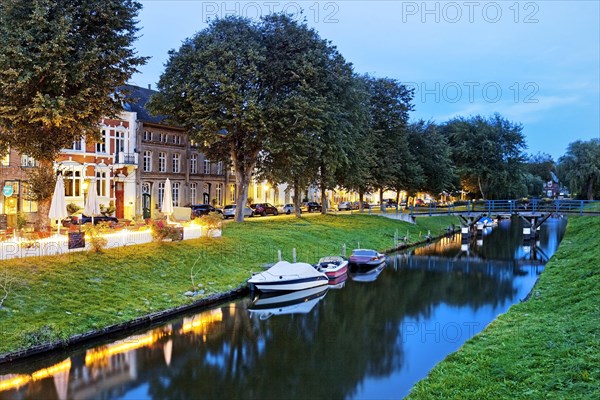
pixel 58 297
pixel 546 347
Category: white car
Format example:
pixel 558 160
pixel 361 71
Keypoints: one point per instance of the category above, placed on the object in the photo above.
pixel 287 209
pixel 229 211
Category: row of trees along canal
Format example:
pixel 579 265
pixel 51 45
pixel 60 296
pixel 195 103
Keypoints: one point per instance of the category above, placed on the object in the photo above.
pixel 271 96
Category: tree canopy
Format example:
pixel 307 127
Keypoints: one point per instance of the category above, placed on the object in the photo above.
pixel 268 92
pixel 60 65
pixel 579 168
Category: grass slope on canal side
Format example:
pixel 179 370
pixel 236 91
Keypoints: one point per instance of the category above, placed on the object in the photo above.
pixel 58 297
pixel 546 347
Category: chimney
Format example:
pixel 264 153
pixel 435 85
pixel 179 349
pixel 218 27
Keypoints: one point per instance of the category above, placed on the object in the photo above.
pixel 149 86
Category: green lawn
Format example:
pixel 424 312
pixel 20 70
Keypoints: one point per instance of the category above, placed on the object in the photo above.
pixel 57 297
pixel 547 347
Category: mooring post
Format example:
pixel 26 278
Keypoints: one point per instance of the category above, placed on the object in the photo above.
pixel 294 254
pixel 278 255
pixel 344 250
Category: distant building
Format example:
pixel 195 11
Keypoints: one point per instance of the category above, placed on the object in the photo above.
pixel 552 188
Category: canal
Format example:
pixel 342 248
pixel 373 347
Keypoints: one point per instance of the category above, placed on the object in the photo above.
pixel 370 336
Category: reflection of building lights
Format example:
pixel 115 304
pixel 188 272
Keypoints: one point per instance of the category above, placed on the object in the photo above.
pixel 200 323
pixel 15 382
pixel 102 354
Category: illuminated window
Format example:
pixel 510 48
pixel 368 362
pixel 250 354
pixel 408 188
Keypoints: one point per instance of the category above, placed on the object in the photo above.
pixel 220 168
pixel 206 166
pixel 72 181
pixel 27 161
pixel 5 160
pixel 161 193
pixel 219 193
pixel 193 191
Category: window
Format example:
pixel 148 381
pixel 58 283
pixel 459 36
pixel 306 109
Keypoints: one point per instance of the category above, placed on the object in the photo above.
pixel 77 145
pixel 206 166
pixel 220 168
pixel 101 183
pixel 161 193
pixel 175 193
pixel 119 142
pixel 162 162
pixel 176 163
pixel 232 193
pixel 193 191
pixel 175 137
pixel 27 161
pixel 219 193
pixel 146 188
pixel 160 137
pixel 147 166
pixel 194 164
pixel 101 145
pixel 72 181
pixel 147 135
pixel 27 204
pixel 166 138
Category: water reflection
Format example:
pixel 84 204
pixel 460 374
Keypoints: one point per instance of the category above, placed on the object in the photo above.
pixel 364 341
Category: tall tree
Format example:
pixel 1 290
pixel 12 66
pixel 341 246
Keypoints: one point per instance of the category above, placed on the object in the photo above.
pixel 433 154
pixel 538 170
pixel 390 103
pixel 488 154
pixel 267 85
pixel 579 168
pixel 60 63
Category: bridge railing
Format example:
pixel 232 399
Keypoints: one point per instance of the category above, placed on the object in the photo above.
pixel 563 206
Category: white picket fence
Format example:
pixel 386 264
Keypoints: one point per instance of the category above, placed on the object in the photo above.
pixel 59 244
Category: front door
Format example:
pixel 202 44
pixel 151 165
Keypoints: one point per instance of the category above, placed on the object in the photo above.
pixel 146 201
pixel 120 197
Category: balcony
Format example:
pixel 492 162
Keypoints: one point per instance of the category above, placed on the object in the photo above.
pixel 124 159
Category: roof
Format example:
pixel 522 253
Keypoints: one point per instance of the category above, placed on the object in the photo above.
pixel 136 100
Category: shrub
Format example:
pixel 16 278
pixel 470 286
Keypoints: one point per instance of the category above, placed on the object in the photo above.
pixel 94 233
pixel 212 221
pixel 72 208
pixel 162 231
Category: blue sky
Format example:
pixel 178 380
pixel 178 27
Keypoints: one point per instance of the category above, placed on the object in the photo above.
pixel 534 62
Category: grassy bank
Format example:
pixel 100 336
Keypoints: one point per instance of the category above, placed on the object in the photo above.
pixel 57 297
pixel 547 347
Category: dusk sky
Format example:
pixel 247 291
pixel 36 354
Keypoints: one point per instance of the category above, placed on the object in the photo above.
pixel 537 63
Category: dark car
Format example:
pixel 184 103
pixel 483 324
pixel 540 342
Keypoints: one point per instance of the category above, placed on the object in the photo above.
pixel 199 210
pixel 84 219
pixel 312 206
pixel 264 209
pixel 366 205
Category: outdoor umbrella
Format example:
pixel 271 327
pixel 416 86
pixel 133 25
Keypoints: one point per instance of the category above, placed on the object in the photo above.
pixel 167 204
pixel 92 206
pixel 58 207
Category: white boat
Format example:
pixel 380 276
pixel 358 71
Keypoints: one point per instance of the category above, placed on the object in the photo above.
pixel 286 276
pixel 298 302
pixel 332 266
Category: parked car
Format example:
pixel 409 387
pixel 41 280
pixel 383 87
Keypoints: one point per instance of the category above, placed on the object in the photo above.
pixel 264 209
pixel 229 211
pixel 84 219
pixel 346 206
pixel 366 205
pixel 199 210
pixel 311 206
pixel 287 209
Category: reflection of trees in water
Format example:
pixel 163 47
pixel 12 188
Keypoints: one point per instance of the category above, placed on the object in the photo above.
pixel 350 335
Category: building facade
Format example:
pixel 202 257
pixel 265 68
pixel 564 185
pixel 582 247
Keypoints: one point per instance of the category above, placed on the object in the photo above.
pixel 14 198
pixel 166 151
pixel 108 166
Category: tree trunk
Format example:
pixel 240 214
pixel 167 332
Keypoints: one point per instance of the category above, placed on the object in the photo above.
pixel 242 179
pixel 324 199
pixel 42 222
pixel 361 196
pixel 297 199
pixel 480 187
pixel 590 189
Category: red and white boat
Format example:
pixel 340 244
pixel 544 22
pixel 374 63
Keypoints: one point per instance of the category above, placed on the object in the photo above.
pixel 332 266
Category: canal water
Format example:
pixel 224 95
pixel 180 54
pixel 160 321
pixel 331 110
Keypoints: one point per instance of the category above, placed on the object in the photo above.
pixel 370 336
